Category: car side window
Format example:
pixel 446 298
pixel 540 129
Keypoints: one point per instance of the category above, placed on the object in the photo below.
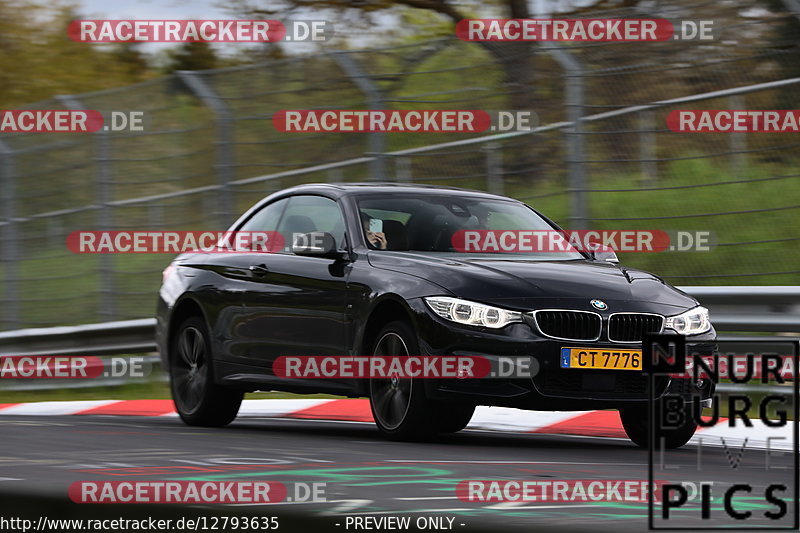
pixel 267 218
pixel 307 213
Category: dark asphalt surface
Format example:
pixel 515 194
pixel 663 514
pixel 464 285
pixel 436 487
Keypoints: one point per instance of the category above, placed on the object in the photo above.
pixel 365 475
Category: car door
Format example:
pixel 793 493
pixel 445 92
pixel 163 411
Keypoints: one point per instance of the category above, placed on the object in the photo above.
pixel 281 303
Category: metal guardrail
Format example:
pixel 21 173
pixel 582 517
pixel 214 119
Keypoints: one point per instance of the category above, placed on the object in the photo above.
pixel 107 338
pixel 746 295
pixel 774 308
pixel 150 363
pixel 138 336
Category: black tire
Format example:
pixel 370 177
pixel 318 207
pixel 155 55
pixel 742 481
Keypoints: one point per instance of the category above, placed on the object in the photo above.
pixel 634 421
pixel 453 417
pixel 399 406
pixel 198 400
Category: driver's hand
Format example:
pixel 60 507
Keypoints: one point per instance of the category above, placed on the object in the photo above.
pixel 377 239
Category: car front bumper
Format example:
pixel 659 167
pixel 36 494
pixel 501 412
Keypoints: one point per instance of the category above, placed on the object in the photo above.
pixel 546 386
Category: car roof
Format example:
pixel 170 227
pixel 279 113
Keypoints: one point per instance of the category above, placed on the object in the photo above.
pixel 364 188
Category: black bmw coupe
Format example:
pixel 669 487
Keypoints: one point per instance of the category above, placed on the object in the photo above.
pixel 386 279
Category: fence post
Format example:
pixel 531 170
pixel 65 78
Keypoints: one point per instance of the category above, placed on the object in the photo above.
pixel 103 180
pixel 334 175
pixel 224 142
pixel 494 167
pixel 738 139
pixel 377 139
pixel 647 147
pixel 402 166
pixel 55 232
pixel 573 101
pixel 155 215
pixel 10 258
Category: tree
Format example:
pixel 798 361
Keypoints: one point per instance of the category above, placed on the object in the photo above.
pixel 37 60
pixel 130 56
pixel 195 55
pixel 514 58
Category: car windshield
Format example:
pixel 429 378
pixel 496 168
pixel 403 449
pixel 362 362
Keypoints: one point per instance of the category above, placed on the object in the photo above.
pixel 436 224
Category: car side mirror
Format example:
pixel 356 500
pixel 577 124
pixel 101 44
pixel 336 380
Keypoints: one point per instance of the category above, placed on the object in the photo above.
pixel 604 253
pixel 601 252
pixel 315 244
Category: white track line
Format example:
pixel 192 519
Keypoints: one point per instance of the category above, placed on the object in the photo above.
pixel 54 408
pixel 485 418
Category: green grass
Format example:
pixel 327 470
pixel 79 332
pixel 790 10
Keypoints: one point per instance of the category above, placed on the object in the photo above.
pixel 753 412
pixel 678 267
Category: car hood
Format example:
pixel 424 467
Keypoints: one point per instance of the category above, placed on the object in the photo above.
pixel 528 284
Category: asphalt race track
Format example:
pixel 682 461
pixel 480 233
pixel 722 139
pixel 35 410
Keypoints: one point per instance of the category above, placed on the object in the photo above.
pixel 364 475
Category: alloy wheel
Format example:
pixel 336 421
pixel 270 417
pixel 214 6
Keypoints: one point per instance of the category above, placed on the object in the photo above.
pixel 391 397
pixel 190 369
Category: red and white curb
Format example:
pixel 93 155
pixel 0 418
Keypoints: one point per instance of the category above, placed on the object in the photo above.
pixel 571 423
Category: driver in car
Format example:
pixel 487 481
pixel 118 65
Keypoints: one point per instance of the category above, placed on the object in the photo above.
pixel 373 229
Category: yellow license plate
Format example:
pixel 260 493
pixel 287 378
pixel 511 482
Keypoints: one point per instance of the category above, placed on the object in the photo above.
pixel 598 358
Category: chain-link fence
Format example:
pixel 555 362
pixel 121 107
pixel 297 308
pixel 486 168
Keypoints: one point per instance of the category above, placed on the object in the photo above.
pixel 209 151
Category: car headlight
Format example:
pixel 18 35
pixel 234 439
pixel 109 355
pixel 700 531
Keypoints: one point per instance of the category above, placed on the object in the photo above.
pixel 471 313
pixel 691 322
